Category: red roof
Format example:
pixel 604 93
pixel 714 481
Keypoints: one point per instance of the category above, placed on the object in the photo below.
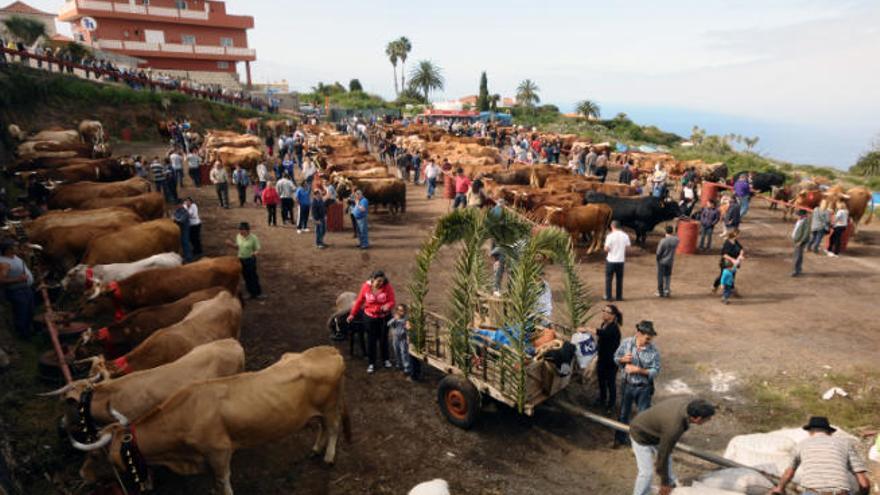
pixel 23 8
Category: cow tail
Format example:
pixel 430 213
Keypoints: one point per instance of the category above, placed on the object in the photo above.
pixel 346 420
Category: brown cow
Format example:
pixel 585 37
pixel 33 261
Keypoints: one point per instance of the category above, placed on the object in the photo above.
pixel 121 337
pixel 247 158
pixel 390 193
pixel 856 199
pixel 134 243
pixel 149 206
pixel 164 285
pixel 593 219
pixel 87 404
pixel 65 236
pixel 73 195
pixel 201 426
pixel 101 170
pixel 215 319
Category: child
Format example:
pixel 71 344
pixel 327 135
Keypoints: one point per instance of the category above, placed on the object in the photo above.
pixel 399 343
pixel 727 280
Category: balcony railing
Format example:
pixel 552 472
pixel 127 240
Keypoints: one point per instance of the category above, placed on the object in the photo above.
pixel 70 7
pixel 230 51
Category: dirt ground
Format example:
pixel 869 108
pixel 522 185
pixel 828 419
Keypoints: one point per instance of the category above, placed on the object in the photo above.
pixel 780 326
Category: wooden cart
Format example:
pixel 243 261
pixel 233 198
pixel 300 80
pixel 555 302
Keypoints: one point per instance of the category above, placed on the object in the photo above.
pixel 460 395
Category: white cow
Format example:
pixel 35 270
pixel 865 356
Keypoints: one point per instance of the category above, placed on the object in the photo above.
pixel 81 276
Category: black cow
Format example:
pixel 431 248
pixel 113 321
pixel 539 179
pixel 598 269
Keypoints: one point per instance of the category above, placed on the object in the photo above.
pixel 765 181
pixel 640 214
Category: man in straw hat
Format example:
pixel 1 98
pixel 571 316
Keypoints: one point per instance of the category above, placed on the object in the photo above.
pixel 825 463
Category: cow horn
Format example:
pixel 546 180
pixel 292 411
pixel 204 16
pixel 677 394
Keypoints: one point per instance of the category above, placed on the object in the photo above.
pixel 36 247
pixel 93 360
pixel 119 416
pixel 102 442
pixel 96 290
pixel 58 391
pixel 96 378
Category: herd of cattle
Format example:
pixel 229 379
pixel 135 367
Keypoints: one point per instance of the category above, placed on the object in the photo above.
pixel 163 353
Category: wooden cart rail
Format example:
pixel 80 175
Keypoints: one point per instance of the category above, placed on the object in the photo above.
pixel 491 373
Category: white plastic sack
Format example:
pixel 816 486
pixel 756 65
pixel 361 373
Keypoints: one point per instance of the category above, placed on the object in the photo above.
pixel 433 487
pixel 770 452
pixel 700 489
pixel 739 480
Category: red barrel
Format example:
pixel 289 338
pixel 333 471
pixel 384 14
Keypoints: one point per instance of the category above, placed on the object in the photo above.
pixel 688 230
pixel 448 187
pixel 126 134
pixel 205 175
pixel 334 217
pixel 708 193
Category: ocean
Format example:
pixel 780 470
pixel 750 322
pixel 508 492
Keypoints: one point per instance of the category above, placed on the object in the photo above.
pixel 833 145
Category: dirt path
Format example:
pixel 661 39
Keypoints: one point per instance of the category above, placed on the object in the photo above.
pixel 780 325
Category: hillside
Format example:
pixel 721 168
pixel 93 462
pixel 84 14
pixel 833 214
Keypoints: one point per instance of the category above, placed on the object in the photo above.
pixel 35 99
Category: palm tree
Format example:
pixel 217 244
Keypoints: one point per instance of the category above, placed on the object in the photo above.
pixel 28 31
pixel 427 77
pixel 493 102
pixel 403 48
pixel 527 93
pixel 392 51
pixel 589 109
pixel 751 142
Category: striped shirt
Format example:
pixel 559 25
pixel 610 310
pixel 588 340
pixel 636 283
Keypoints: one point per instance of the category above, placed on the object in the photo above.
pixel 824 463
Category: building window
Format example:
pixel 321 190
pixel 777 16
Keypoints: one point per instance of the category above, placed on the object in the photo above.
pixel 226 42
pixel 222 65
pixel 181 4
pixel 188 39
pixel 145 2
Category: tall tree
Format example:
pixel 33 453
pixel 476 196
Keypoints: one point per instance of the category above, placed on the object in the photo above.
pixel 527 93
pixel 493 102
pixel 403 48
pixel 355 85
pixel 427 77
pixel 391 51
pixel 589 109
pixel 751 142
pixel 483 99
pixel 26 30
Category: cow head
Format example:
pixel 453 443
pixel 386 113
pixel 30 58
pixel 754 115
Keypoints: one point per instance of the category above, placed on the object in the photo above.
pixel 553 215
pixel 123 455
pixel 76 278
pixel 98 367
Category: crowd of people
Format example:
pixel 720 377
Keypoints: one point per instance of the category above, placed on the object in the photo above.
pixel 66 61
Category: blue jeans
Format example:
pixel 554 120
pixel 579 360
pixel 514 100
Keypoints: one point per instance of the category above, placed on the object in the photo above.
pixel 432 186
pixel 185 245
pixel 646 456
pixel 362 231
pixel 320 230
pixel 22 302
pixel 706 237
pixel 400 347
pixel 178 176
pixel 640 395
pixel 728 290
pixel 303 217
pixel 460 199
pixel 416 170
pixel 816 240
pixel 743 206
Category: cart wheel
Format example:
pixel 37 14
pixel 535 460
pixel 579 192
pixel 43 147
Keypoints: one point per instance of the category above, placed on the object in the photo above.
pixel 459 401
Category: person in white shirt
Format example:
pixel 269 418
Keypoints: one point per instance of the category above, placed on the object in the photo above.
pixel 177 165
pixel 309 169
pixel 615 245
pixel 285 188
pixel 195 226
pixel 432 171
pixel 545 303
pixel 194 162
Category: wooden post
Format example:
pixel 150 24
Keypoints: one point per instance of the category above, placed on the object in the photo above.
pixel 247 70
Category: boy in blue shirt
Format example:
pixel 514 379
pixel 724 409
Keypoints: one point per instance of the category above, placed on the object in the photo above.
pixel 727 280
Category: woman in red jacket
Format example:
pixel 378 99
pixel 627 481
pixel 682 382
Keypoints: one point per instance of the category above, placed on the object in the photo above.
pixel 271 199
pixel 377 300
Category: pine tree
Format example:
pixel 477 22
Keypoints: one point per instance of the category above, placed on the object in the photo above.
pixel 483 102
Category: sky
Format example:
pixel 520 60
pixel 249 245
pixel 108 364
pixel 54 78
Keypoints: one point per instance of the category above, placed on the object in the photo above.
pixel 800 74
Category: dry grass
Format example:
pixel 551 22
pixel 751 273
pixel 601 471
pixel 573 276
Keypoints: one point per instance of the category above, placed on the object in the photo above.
pixel 790 401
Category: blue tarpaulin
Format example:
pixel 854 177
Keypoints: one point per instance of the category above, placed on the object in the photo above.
pixel 502 118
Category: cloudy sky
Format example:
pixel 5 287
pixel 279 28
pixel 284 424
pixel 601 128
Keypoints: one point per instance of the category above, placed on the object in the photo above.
pixel 801 70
